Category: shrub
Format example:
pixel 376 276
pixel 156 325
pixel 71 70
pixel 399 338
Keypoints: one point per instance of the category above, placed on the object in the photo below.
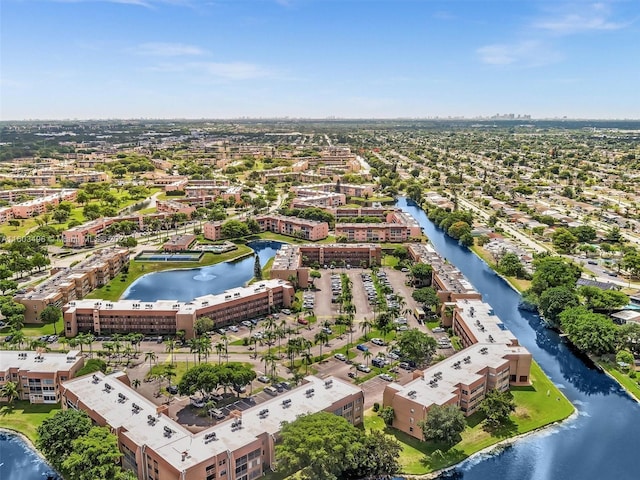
pixel 376 406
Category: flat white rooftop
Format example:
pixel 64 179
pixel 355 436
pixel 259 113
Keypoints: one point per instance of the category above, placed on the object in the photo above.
pixel 45 362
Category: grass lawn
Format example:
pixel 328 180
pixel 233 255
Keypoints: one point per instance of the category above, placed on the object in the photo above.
pixel 538 405
pixel 36 330
pixel 286 239
pixel 24 417
pixel 181 368
pixel 116 287
pixel 520 284
pixel 390 261
pixel 630 384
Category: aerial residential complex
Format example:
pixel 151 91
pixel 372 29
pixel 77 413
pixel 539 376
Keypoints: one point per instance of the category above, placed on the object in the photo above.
pixel 242 447
pixel 294 261
pixel 491 357
pixel 397 227
pixel 73 283
pixel 292 226
pixel 39 373
pixel 164 317
pixel 36 206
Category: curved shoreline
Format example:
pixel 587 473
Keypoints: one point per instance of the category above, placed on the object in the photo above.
pixel 491 449
pixel 31 445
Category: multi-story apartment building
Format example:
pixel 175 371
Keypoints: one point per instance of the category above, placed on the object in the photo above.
pixel 172 206
pixel 313 198
pixel 491 359
pixel 294 261
pixel 398 226
pixel 165 317
pixel 73 283
pixel 241 447
pixel 35 180
pixel 38 374
pixel 293 226
pixel 37 206
pixel 179 243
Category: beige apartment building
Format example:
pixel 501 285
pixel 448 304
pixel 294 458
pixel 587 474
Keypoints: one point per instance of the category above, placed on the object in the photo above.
pixel 241 447
pixel 173 206
pixel 73 283
pixel 38 206
pixel 164 317
pixel 38 374
pixel 294 261
pixel 398 226
pixel 293 226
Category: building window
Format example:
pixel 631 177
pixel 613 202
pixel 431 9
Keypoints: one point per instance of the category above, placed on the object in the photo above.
pixel 411 429
pixel 412 410
pixel 523 378
pixel 512 378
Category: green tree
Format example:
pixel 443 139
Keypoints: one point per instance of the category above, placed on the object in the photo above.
pixel 56 434
pixel 443 424
pixel 94 456
pixel 564 240
pixel 553 271
pixel 511 265
pixel 426 296
pixel 203 325
pixel 7 285
pixel 602 300
pixel 234 229
pixel 496 407
pixel 387 414
pixel 590 332
pixel 554 300
pixel 624 359
pixel 422 272
pixel 376 459
pixel 417 346
pixel 458 229
pixel 51 314
pixel 92 365
pixel 10 391
pixel 257 268
pixel 320 445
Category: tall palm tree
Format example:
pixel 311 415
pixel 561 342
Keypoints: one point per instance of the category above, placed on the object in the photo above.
pixel 366 327
pixel 267 358
pixel 89 339
pixel 307 360
pixel 152 357
pixel 11 391
pixel 170 346
pixel 321 338
pixel 135 383
pixel 219 350
pixel 194 347
pixel 367 355
pixel 204 346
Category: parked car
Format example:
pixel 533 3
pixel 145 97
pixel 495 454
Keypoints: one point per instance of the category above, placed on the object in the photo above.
pixel 386 377
pixel 233 328
pixel 247 323
pixel 378 362
pixel 172 389
pixel 340 357
pixel 362 347
pixel 393 356
pixel 216 413
pixel 438 330
pixel 378 341
pixel 197 402
pixel 286 311
pixel 363 368
pixel 271 391
pixel 327 330
pixel 263 379
pixel 405 366
pixel 303 321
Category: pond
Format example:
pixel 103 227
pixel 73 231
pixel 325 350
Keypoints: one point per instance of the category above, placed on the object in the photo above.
pixel 19 461
pixel 186 284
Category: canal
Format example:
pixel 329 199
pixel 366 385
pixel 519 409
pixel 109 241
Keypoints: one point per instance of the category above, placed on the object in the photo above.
pixel 600 443
pixel 18 461
pixel 186 284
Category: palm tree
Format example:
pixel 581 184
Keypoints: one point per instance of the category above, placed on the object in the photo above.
pixel 194 347
pixel 170 371
pixel 366 327
pixel 321 338
pixel 307 359
pixel 11 391
pixel 135 383
pixel 219 350
pixel 267 358
pixel 225 340
pixel 204 347
pixel 367 355
pixel 89 339
pixel 152 357
pixel 170 347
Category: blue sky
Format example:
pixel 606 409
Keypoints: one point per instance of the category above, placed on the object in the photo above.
pixel 318 58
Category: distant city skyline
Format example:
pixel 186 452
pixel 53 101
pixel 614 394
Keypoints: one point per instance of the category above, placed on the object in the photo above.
pixel 192 59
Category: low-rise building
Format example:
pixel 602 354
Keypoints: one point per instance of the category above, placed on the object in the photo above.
pixel 398 226
pixel 154 446
pixel 73 283
pixel 179 243
pixel 172 206
pixel 38 205
pixel 165 317
pixel 293 226
pixel 38 374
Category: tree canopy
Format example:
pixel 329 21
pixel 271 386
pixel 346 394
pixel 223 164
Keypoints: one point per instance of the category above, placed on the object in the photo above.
pixel 417 346
pixel 496 407
pixel 94 456
pixel 554 300
pixel 553 271
pixel 56 434
pixel 443 424
pixel 590 332
pixel 426 296
pixel 206 378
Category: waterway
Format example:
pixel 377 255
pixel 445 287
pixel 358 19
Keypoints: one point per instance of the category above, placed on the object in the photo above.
pixel 186 284
pixel 18 461
pixel 600 443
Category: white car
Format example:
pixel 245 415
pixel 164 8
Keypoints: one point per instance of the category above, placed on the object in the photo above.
pixel 340 357
pixel 233 328
pixel 378 341
pixel 363 368
pixel 392 356
pixel 386 377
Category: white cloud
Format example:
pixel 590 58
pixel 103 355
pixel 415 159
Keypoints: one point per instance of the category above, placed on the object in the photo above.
pixel 580 18
pixel 234 70
pixel 162 49
pixel 529 53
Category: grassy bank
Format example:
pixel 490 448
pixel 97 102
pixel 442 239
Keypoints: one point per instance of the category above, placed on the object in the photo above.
pixel 518 283
pixel 539 405
pixel 116 287
pixel 631 385
pixel 24 417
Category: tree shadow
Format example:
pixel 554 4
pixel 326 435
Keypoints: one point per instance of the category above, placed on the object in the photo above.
pixel 505 430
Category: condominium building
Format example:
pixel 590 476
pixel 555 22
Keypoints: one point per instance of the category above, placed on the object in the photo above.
pixel 398 226
pixel 172 206
pixel 38 374
pixel 164 317
pixel 74 282
pixel 491 359
pixel 179 243
pixel 313 198
pixel 37 206
pixel 294 261
pixel 293 226
pixel 242 447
